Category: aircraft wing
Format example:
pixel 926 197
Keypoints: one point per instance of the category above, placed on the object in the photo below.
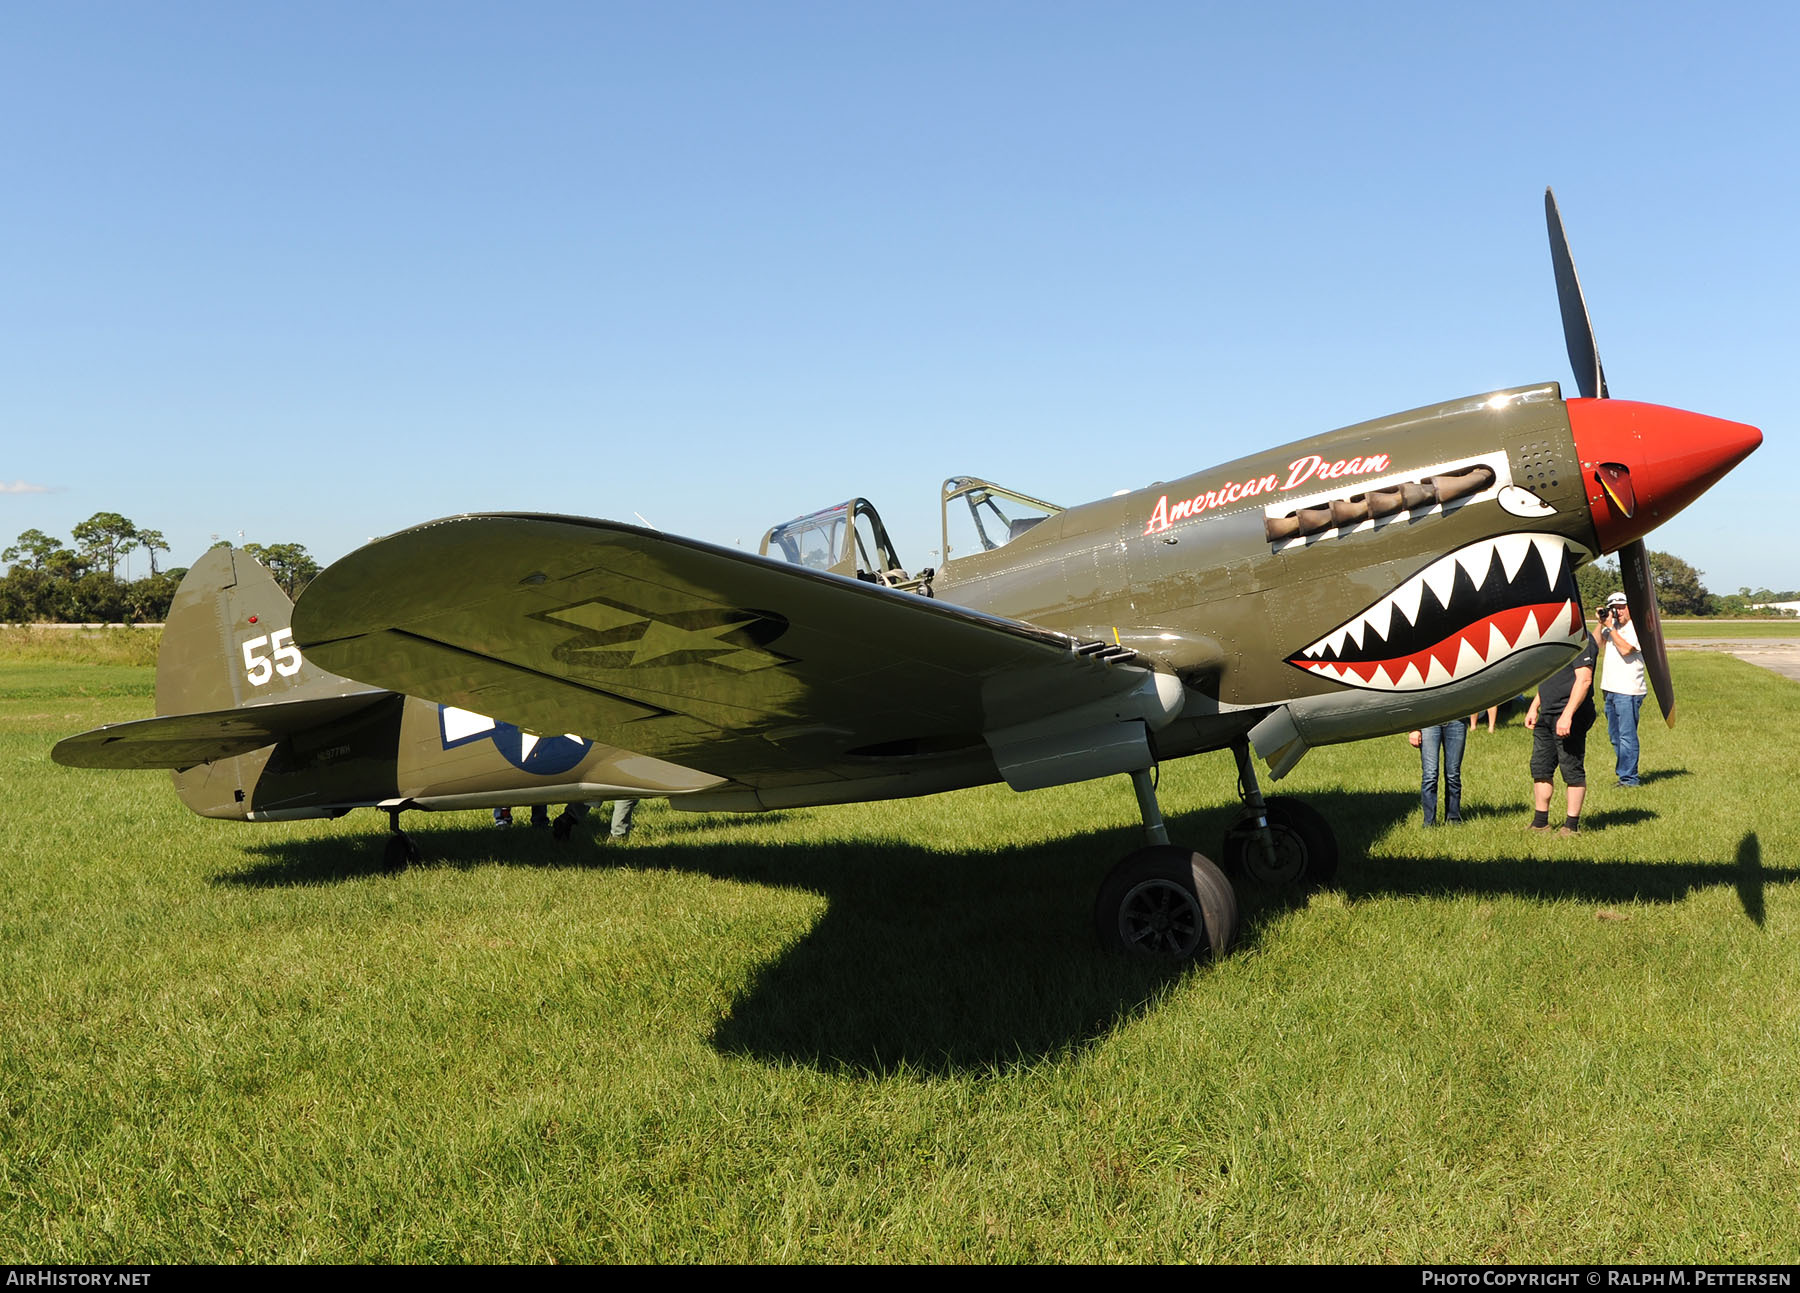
pixel 184 740
pixel 749 668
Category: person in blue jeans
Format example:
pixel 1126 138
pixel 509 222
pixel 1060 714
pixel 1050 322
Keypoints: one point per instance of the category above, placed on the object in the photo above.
pixel 540 816
pixel 1622 684
pixel 623 811
pixel 1441 747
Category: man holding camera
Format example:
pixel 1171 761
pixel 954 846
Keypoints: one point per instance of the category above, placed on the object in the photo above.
pixel 1621 683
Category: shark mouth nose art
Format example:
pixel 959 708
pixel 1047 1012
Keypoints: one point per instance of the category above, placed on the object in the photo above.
pixel 1461 614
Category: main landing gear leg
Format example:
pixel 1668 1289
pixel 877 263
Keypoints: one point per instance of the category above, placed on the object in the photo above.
pixel 400 850
pixel 1145 786
pixel 1256 816
pixel 1277 841
pixel 1164 901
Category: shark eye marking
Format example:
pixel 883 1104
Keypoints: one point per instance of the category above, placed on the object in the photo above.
pixel 1522 502
pixel 1458 616
pixel 1444 488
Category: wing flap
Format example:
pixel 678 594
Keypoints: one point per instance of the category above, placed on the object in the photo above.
pixel 705 656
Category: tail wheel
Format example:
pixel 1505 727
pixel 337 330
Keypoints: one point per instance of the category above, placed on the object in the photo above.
pixel 1306 850
pixel 399 853
pixel 1167 903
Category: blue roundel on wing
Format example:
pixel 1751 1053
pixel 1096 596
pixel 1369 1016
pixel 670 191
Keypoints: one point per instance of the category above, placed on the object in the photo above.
pixel 541 756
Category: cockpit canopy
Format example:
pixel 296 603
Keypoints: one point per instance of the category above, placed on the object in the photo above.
pixel 848 540
pixel 980 516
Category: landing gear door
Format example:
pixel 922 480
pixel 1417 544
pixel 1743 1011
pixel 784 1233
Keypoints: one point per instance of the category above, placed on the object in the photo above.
pixel 847 540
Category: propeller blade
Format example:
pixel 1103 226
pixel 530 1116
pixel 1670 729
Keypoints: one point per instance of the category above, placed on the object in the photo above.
pixel 1640 591
pixel 1578 330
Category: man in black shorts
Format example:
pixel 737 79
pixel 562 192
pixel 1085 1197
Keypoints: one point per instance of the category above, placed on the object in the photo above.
pixel 1565 702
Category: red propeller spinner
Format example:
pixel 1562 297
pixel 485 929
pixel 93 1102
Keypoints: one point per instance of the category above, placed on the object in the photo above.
pixel 1643 463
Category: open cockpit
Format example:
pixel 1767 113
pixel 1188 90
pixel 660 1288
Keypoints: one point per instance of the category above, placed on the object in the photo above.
pixel 849 539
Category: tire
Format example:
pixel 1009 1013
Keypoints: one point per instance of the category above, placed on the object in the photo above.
pixel 1166 903
pixel 1306 850
pixel 399 853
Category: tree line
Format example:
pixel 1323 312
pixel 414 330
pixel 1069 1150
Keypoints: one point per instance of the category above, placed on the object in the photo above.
pixel 1678 590
pixel 51 582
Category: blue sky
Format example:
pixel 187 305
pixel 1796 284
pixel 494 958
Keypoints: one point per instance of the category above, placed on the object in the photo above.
pixel 319 272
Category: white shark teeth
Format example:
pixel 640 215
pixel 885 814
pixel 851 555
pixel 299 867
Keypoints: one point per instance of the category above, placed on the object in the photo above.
pixel 1351 632
pixel 1551 627
pixel 1440 576
pixel 1513 549
pixel 1475 561
pixel 1551 551
pixel 1468 659
pixel 1406 600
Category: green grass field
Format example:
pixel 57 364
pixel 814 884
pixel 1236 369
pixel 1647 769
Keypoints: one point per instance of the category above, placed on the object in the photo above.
pixel 884 1032
pixel 1675 630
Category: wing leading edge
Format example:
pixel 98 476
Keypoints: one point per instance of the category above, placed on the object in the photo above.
pixel 766 673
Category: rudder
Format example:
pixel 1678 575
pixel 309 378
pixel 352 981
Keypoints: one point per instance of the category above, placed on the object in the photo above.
pixel 228 641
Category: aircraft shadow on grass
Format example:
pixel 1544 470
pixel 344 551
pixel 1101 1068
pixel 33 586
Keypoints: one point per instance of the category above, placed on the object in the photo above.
pixel 938 963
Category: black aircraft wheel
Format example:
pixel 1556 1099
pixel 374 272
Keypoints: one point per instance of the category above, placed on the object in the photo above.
pixel 563 826
pixel 399 853
pixel 1306 850
pixel 1166 902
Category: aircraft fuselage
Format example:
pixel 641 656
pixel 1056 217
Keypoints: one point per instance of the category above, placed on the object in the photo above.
pixel 1395 573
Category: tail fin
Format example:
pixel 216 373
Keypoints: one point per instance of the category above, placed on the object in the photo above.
pixel 228 642
pixel 233 696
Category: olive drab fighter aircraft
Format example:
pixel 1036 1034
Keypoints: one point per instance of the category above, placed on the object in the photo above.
pixel 1380 577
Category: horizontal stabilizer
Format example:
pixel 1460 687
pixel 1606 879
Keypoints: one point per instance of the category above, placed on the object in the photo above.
pixel 184 740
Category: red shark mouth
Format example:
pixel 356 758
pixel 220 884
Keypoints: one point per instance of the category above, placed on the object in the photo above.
pixel 1463 613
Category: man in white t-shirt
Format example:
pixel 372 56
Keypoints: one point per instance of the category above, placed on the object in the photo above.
pixel 1621 683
